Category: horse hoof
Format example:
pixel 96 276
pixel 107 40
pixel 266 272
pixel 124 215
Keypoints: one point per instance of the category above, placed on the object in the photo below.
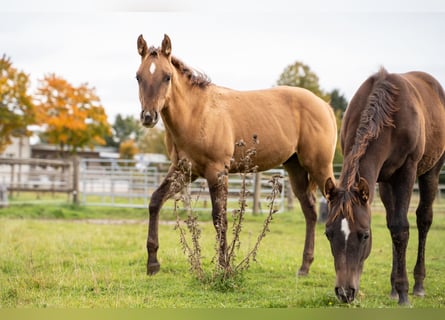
pixel 302 273
pixel 419 293
pixel 404 301
pixel 394 295
pixel 153 268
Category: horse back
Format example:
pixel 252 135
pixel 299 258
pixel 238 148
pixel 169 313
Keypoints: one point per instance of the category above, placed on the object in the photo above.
pixel 395 116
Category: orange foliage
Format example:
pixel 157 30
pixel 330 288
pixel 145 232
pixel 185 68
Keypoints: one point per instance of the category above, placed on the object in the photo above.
pixel 127 149
pixel 73 117
pixel 16 108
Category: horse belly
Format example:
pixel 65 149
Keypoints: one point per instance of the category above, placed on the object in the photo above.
pixel 267 155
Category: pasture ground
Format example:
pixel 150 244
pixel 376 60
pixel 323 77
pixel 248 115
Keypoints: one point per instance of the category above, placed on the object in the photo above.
pixel 75 257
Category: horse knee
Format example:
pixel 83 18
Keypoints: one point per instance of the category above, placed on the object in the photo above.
pixel 423 220
pixel 400 236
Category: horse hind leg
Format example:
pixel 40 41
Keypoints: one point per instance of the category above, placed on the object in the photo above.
pixel 428 184
pixel 303 190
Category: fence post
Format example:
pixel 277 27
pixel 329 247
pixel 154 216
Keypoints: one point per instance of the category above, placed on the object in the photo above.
pixel 256 193
pixel 75 180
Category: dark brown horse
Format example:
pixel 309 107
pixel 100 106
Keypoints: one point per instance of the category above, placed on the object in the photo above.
pixel 392 133
pixel 204 121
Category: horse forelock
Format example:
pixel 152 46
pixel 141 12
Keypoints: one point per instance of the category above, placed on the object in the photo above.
pixel 342 205
pixel 377 114
pixel 153 51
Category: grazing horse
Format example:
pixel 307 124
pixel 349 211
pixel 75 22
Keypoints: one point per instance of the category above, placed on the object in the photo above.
pixel 392 133
pixel 203 122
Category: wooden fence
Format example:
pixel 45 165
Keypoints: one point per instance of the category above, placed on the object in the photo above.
pixel 40 175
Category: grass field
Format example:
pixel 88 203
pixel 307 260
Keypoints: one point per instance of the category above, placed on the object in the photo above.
pixel 65 256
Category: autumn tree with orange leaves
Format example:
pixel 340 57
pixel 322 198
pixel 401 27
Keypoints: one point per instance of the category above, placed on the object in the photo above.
pixel 72 117
pixel 16 106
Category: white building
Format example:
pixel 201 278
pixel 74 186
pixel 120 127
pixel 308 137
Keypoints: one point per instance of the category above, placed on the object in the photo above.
pixel 20 148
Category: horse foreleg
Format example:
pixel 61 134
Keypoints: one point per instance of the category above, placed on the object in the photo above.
pixel 165 190
pixel 401 183
pixel 218 194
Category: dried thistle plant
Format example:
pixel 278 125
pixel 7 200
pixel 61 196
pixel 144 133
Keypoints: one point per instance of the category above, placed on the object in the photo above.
pixel 246 168
pixel 182 178
pixel 228 273
pixel 277 188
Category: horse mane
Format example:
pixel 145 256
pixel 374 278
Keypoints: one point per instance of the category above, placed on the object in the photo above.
pixel 377 114
pixel 195 77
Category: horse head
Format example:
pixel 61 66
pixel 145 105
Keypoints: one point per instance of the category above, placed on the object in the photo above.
pixel 348 230
pixel 154 78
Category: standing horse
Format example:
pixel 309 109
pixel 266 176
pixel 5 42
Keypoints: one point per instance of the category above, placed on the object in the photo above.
pixel 392 132
pixel 204 121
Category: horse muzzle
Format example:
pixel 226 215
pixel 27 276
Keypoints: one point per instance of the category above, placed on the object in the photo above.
pixel 149 119
pixel 345 295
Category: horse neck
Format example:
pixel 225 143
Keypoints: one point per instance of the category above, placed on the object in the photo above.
pixel 185 107
pixel 367 167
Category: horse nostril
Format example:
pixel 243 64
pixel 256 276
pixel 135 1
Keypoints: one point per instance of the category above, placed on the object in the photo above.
pixel 145 117
pixel 148 119
pixel 345 295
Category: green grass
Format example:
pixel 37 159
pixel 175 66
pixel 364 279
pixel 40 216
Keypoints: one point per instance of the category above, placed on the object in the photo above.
pixel 52 257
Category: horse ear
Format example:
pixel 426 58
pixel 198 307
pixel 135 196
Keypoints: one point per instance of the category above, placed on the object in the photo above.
pixel 166 46
pixel 363 189
pixel 330 190
pixel 142 46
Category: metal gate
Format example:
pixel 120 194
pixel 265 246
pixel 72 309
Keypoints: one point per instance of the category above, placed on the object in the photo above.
pixel 127 183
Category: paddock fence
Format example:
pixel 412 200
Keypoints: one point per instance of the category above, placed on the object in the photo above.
pixel 128 183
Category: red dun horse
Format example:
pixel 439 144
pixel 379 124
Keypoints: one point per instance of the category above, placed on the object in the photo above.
pixel 392 132
pixel 203 122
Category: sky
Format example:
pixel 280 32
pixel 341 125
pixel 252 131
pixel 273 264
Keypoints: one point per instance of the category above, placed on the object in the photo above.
pixel 243 45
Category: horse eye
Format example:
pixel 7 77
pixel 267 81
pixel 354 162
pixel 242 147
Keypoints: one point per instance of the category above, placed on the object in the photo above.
pixel 138 78
pixel 167 78
pixel 364 235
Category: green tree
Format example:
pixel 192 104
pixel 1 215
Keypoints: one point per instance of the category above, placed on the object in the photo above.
pixel 72 117
pixel 152 141
pixel 17 110
pixel 338 101
pixel 123 129
pixel 300 75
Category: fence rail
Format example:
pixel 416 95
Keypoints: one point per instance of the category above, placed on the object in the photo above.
pixel 129 184
pixel 126 183
pixel 37 175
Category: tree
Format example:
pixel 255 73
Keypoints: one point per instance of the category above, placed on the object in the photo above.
pixel 17 110
pixel 127 150
pixel 339 104
pixel 338 101
pixel 300 75
pixel 73 117
pixel 124 128
pixel 152 141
